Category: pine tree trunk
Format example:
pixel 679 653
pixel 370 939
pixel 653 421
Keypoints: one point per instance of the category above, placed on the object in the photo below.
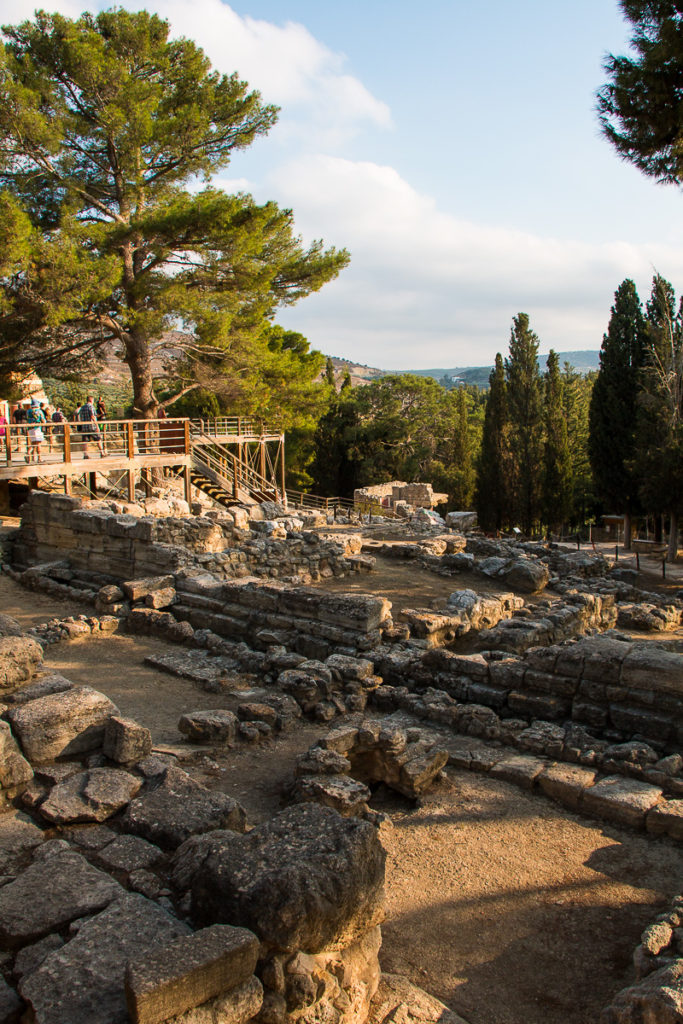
pixel 138 358
pixel 672 553
pixel 627 531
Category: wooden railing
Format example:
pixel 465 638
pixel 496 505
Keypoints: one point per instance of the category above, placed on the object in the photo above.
pixel 66 443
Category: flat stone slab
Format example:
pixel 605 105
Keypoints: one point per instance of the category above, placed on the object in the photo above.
pixel 49 894
pixel 83 982
pixel 52 683
pixel 61 724
pixel 308 880
pixel 128 853
pixel 90 796
pixel 666 819
pixel 189 971
pixel 345 795
pixel 176 807
pixel 565 783
pixel 213 726
pixel 214 673
pixel 625 801
pixel 18 834
pixel 517 768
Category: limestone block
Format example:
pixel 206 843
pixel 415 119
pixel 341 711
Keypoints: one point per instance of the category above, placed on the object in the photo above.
pixel 666 819
pixel 620 799
pixel 62 724
pixel 90 796
pixel 521 770
pixel 9 626
pixel 14 768
pixel 137 590
pixel 657 998
pixel 214 726
pixel 283 880
pixel 238 1006
pixel 175 807
pixel 128 853
pixel 83 982
pixel 341 793
pixel 20 659
pixel 398 1000
pixel 648 667
pixel 189 971
pixel 126 741
pixel 565 783
pixel 162 598
pixel 49 894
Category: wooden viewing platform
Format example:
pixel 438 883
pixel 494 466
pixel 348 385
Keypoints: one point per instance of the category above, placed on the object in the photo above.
pixel 241 459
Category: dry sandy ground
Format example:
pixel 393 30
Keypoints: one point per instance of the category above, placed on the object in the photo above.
pixel 509 909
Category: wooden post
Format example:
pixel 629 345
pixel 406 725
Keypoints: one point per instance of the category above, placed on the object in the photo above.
pixel 67 442
pixel 187 474
pixel 92 484
pixel 131 439
pixel 67 484
pixel 262 458
pixel 8 445
pixel 282 470
pixel 131 484
pixel 188 443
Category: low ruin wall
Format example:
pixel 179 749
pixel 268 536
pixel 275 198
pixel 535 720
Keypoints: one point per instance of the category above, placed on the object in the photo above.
pixel 124 546
pixel 614 688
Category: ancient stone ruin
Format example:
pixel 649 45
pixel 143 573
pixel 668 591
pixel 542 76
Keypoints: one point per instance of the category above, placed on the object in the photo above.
pixel 130 891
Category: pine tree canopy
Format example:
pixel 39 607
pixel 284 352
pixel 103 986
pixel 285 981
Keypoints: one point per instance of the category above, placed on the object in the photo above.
pixel 640 107
pixel 109 135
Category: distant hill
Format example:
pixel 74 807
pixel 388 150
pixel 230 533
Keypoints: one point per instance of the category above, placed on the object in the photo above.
pixel 582 361
pixel 586 361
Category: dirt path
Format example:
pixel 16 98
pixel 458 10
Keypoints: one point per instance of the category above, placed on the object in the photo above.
pixel 504 906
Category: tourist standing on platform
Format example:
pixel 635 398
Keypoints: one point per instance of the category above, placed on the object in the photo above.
pixel 58 419
pixel 19 419
pixel 88 428
pixel 35 418
pixel 101 411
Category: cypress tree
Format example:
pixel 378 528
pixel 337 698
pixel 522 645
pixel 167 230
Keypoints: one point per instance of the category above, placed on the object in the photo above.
pixel 526 422
pixel 557 486
pixel 492 490
pixel 613 407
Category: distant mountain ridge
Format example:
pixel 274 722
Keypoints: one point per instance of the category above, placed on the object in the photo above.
pixel 583 361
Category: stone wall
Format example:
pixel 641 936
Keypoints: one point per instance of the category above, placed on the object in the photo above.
pixel 126 546
pixel 617 689
pixel 303 619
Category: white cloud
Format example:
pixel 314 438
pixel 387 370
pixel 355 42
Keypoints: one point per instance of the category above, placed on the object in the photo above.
pixel 428 289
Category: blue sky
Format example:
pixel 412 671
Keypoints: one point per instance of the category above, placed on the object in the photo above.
pixel 455 150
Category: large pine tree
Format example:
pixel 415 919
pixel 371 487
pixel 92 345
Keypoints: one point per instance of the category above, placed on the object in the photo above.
pixel 492 493
pixel 613 407
pixel 557 467
pixel 106 127
pixel 525 408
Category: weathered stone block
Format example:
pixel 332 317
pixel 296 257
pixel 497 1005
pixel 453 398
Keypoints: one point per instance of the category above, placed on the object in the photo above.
pixel 62 724
pixel 83 982
pixel 20 658
pixel 176 807
pixel 189 971
pixel 620 799
pixel 283 880
pixel 14 768
pixel 94 795
pixel 126 741
pixel 49 894
pixel 565 783
pixel 666 819
pixel 521 770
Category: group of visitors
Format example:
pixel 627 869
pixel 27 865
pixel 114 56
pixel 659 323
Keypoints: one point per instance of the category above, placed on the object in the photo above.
pixel 39 423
